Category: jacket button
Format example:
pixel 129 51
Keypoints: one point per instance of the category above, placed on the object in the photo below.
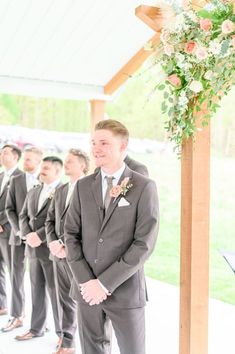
pixel 35 218
pixel 101 240
pixel 96 260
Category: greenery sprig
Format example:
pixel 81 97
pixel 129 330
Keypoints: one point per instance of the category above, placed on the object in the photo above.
pixel 197 55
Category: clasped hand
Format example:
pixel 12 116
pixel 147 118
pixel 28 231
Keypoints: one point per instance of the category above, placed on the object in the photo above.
pixel 33 240
pixel 92 292
pixel 57 249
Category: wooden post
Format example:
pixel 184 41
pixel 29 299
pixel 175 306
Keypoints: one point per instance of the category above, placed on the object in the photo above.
pixel 97 114
pixel 194 269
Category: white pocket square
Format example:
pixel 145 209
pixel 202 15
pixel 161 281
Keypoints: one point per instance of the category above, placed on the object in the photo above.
pixel 123 202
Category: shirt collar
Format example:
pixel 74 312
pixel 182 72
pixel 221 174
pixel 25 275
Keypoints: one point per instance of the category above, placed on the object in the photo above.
pixel 52 185
pixel 10 171
pixel 116 175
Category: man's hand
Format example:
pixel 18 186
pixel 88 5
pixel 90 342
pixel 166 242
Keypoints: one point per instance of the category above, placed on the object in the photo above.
pixel 92 292
pixel 33 240
pixel 55 247
pixel 61 254
pixel 1 229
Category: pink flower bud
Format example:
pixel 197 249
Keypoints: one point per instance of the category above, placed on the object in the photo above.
pixel 205 24
pixel 228 27
pixel 175 80
pixel 190 47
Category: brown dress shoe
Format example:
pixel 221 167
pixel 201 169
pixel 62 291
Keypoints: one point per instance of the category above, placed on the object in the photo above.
pixel 65 351
pixel 12 324
pixel 27 336
pixel 58 345
pixel 3 311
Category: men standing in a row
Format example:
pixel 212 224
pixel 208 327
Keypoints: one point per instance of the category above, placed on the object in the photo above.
pixel 76 166
pixel 32 228
pixel 110 231
pixel 19 186
pixel 10 155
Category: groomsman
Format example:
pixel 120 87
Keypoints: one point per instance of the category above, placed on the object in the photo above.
pixel 110 231
pixel 10 155
pixel 19 186
pixel 76 166
pixel 32 229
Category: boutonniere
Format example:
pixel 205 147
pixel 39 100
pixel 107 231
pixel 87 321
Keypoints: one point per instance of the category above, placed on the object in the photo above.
pixel 51 194
pixel 121 189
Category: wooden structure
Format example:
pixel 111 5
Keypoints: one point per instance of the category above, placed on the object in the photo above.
pixel 80 50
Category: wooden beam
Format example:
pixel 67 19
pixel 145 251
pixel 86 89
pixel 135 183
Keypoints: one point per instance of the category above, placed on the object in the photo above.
pixel 130 68
pixel 194 269
pixel 151 16
pixel 97 114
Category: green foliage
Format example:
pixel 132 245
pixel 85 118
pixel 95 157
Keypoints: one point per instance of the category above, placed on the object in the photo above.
pixel 197 55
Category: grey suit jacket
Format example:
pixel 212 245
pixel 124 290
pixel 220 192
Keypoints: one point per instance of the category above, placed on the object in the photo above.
pixel 4 222
pixel 56 216
pixel 33 220
pixel 14 203
pixel 136 166
pixel 113 247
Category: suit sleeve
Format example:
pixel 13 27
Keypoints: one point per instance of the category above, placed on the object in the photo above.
pixel 50 222
pixel 3 215
pixel 24 219
pixel 73 243
pixel 144 239
pixel 11 207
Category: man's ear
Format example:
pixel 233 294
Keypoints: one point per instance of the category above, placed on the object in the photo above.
pixel 124 144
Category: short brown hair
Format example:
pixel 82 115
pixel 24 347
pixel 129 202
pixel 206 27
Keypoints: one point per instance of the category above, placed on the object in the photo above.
pixel 14 149
pixel 83 157
pixel 35 150
pixel 116 127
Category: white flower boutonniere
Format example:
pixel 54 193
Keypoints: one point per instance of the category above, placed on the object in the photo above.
pixel 51 194
pixel 121 189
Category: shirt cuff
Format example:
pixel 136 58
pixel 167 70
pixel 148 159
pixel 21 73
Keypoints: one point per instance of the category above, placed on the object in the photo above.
pixel 103 287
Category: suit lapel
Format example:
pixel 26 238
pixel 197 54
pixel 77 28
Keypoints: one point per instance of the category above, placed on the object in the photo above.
pixel 114 201
pixel 63 199
pixel 96 188
pixel 36 199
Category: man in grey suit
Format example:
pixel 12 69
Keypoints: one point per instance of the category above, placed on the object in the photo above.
pixel 76 166
pixel 10 155
pixel 110 231
pixel 19 186
pixel 32 228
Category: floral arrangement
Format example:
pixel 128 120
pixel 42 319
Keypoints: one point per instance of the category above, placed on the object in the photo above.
pixel 121 189
pixel 197 55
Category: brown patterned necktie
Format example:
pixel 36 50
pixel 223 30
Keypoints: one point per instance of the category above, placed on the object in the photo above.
pixel 107 197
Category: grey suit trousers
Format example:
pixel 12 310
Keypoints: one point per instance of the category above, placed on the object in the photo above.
pixel 42 279
pixel 95 329
pixel 5 259
pixel 17 279
pixel 68 305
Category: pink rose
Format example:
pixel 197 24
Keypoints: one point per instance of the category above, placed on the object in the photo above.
pixel 190 47
pixel 205 24
pixel 115 191
pixel 175 80
pixel 227 27
pixel 201 53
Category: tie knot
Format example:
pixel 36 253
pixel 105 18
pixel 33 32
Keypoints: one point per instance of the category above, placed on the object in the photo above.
pixel 109 180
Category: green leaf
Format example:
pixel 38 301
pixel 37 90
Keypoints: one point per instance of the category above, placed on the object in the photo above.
pixel 161 87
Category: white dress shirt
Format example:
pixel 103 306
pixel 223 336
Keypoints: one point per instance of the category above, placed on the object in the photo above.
pixel 47 191
pixel 6 177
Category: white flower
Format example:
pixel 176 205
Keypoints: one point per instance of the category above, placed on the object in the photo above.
pixel 165 36
pixel 196 86
pixel 215 47
pixel 183 100
pixel 180 58
pixel 201 53
pixel 168 49
pixel 192 16
pixel 208 75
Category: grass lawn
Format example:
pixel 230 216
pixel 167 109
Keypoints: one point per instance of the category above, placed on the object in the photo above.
pixel 164 262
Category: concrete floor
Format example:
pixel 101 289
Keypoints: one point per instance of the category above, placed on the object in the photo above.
pixel 162 317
